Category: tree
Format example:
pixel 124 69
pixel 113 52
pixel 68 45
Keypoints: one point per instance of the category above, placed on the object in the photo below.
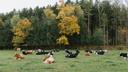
pixel 14 20
pixel 49 13
pixel 50 22
pixel 63 40
pixel 21 31
pixel 68 23
pixel 1 27
pixel 81 22
pixel 104 21
pixel 1 24
pixel 116 18
pixel 98 37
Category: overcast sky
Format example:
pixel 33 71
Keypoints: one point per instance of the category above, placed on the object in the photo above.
pixel 9 5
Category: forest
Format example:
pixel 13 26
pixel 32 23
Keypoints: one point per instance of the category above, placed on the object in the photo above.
pixel 73 23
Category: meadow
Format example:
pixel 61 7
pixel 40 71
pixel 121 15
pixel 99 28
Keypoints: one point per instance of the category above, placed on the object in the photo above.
pixel 110 62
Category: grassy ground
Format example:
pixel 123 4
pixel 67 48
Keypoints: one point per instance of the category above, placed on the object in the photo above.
pixel 110 62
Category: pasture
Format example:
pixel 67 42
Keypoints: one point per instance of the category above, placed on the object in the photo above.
pixel 110 62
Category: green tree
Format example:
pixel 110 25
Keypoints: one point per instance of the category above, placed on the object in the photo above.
pixel 98 37
pixel 1 24
pixel 50 23
pixel 14 20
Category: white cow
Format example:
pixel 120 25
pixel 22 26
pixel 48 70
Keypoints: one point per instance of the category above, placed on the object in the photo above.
pixel 49 59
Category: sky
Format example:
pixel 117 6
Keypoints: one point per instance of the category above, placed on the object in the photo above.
pixel 9 5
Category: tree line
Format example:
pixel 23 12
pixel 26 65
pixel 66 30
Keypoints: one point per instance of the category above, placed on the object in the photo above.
pixel 81 23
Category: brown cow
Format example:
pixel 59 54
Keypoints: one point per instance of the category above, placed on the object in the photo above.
pixel 19 56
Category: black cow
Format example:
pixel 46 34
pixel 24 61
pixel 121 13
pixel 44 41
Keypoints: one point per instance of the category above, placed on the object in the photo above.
pixel 71 54
pixel 124 55
pixel 26 52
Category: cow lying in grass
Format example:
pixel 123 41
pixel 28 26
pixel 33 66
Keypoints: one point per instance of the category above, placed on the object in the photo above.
pixel 124 55
pixel 19 56
pixel 26 52
pixel 88 52
pixel 41 52
pixel 71 54
pixel 18 49
pixel 100 52
pixel 49 59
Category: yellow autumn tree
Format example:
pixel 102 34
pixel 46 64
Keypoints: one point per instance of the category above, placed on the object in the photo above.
pixel 68 23
pixel 69 26
pixel 62 40
pixel 21 31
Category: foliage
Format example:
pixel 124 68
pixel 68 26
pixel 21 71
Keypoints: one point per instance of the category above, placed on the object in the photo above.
pixel 78 21
pixel 21 31
pixel 1 24
pixel 49 13
pixel 78 11
pixel 98 37
pixel 69 26
pixel 50 25
pixel 68 22
pixel 14 20
pixel 63 40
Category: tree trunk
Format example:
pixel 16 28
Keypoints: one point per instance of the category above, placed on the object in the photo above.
pixel 88 23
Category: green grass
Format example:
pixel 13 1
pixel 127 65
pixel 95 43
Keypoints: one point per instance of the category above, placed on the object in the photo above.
pixel 110 62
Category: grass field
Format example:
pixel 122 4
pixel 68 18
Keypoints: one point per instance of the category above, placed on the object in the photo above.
pixel 110 62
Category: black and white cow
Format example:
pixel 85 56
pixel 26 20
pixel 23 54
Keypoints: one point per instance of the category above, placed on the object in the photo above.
pixel 124 55
pixel 71 54
pixel 100 52
pixel 41 52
